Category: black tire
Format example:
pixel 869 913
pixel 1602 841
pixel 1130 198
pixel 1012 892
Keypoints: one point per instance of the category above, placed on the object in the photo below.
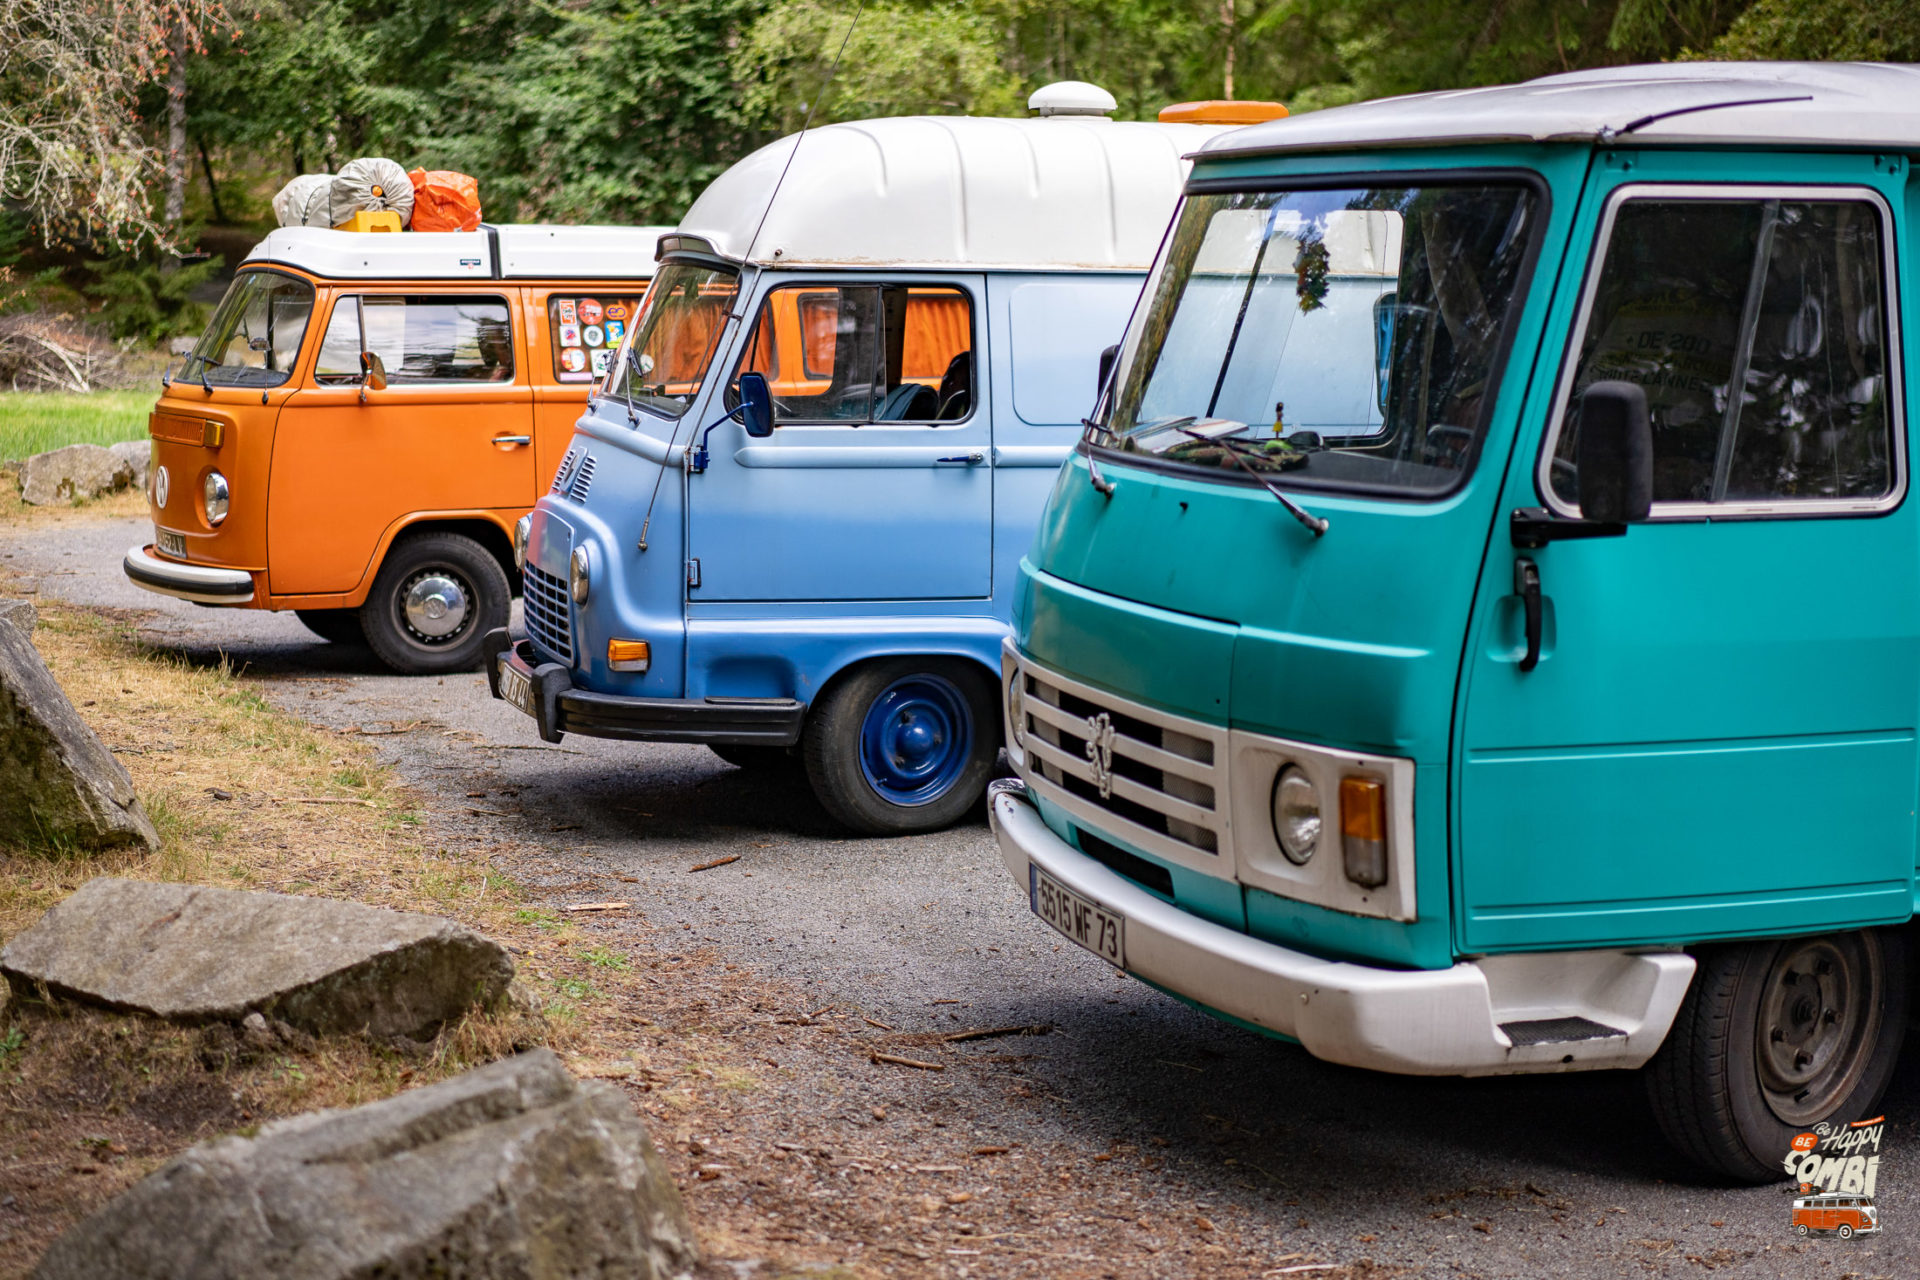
pixel 337 626
pixel 832 744
pixel 1804 1230
pixel 1846 1231
pixel 1774 1037
pixel 408 642
pixel 756 758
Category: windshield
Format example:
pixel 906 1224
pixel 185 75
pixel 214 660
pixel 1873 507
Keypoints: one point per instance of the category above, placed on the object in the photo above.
pixel 1343 337
pixel 254 336
pixel 665 361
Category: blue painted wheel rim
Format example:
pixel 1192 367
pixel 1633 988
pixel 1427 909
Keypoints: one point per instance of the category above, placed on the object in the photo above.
pixel 916 740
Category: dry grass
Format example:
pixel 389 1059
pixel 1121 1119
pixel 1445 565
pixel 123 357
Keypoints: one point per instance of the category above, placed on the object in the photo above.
pixel 91 1101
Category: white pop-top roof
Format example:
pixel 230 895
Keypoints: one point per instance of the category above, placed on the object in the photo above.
pixel 1858 105
pixel 946 191
pixel 527 251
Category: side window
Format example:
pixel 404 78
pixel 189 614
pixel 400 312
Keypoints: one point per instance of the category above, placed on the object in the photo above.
pixel 419 338
pixel 1758 329
pixel 587 330
pixel 865 353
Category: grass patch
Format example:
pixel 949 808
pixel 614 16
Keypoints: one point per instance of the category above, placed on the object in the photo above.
pixel 35 421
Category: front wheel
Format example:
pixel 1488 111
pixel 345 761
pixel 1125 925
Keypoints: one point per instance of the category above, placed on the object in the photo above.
pixel 1775 1037
pixel 1846 1232
pixel 903 745
pixel 433 602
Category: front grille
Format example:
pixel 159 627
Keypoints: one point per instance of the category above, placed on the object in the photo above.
pixel 1156 779
pixel 549 613
pixel 582 479
pixel 560 476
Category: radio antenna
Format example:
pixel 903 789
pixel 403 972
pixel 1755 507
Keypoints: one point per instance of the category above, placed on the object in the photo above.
pixel 825 84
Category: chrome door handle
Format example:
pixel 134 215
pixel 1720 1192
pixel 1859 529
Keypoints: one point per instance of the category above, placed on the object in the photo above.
pixel 973 459
pixel 513 439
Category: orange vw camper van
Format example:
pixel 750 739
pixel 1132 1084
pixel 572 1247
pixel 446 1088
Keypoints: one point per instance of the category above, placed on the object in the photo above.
pixel 367 416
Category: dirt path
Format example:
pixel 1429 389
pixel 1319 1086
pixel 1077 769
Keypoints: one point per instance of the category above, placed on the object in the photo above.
pixel 1134 1138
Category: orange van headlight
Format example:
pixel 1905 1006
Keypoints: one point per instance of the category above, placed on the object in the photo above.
pixel 218 497
pixel 629 655
pixel 1363 830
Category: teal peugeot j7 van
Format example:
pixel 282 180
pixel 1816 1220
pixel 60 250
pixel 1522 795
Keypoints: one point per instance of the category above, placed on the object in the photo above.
pixel 1479 631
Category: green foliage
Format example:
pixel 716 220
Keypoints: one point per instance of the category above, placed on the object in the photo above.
pixel 140 298
pixel 1864 30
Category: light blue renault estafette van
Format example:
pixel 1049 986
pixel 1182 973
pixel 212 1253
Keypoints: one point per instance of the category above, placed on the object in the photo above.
pixel 789 523
pixel 1480 630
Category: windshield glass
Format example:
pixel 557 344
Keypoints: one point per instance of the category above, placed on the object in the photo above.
pixel 1345 338
pixel 672 342
pixel 254 336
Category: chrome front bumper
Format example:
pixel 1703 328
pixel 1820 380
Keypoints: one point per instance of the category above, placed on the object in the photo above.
pixel 1494 1016
pixel 203 584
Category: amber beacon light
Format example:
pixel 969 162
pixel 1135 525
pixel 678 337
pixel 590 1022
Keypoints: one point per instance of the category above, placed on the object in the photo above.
pixel 1222 111
pixel 1363 830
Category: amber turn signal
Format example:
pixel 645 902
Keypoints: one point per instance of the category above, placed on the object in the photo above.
pixel 1363 830
pixel 629 655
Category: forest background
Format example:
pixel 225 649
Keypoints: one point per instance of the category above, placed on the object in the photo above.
pixel 142 139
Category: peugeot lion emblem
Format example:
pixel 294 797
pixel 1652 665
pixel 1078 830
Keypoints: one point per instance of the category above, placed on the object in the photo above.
pixel 1100 752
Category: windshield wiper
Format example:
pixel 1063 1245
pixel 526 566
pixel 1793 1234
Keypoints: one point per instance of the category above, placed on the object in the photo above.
pixel 1239 451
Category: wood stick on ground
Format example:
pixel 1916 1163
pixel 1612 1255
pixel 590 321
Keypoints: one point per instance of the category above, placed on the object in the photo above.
pixel 717 862
pixel 599 906
pixel 988 1033
pixel 905 1062
pixel 368 804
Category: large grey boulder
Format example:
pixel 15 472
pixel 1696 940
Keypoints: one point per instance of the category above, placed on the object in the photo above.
pixel 199 954
pixel 137 454
pixel 77 471
pixel 513 1171
pixel 21 614
pixel 59 787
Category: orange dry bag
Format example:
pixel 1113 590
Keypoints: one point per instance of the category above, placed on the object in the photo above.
pixel 444 201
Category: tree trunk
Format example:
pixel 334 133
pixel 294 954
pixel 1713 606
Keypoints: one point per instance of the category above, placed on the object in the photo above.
pixel 1226 24
pixel 213 188
pixel 176 197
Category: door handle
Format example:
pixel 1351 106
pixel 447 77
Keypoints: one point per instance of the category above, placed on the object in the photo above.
pixel 513 439
pixel 973 459
pixel 1526 585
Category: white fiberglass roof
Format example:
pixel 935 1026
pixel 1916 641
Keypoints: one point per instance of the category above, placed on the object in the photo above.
pixel 947 191
pixel 1858 105
pixel 527 251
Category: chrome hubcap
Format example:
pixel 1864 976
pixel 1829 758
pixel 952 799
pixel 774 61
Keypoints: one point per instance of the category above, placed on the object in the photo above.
pixel 435 605
pixel 1818 1023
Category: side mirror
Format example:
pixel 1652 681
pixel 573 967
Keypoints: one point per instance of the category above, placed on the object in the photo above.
pixel 1615 454
pixel 1107 359
pixel 373 373
pixel 756 405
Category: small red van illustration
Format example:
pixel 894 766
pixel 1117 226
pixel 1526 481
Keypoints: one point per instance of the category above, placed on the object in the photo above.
pixel 1837 1214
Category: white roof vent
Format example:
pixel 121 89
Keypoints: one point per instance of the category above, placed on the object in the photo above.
pixel 1071 98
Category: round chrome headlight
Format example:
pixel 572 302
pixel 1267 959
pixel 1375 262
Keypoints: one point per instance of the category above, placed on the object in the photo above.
pixel 162 484
pixel 1296 814
pixel 522 529
pixel 1017 708
pixel 579 582
pixel 217 496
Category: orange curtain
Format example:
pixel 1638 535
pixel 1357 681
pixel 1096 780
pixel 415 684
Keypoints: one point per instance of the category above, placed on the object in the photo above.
pixel 938 329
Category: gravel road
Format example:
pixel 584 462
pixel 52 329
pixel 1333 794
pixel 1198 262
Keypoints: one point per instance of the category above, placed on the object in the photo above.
pixel 1282 1156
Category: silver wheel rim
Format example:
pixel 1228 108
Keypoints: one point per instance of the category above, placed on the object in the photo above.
pixel 1818 1024
pixel 436 606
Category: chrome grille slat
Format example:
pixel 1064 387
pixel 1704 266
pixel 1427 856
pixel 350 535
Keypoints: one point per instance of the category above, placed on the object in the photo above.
pixel 548 610
pixel 1164 775
pixel 582 481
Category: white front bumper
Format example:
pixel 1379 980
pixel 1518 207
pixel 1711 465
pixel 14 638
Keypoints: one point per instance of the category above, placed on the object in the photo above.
pixel 202 583
pixel 1412 1021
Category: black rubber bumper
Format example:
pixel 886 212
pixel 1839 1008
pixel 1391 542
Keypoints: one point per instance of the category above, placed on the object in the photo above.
pixel 559 708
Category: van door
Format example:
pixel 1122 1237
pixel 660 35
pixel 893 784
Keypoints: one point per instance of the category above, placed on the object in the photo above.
pixel 452 431
pixel 1718 738
pixel 875 483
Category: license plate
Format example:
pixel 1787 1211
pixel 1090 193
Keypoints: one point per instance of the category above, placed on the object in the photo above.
pixel 170 543
pixel 515 687
pixel 1080 919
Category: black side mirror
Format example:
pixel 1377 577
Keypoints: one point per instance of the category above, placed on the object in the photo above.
pixel 756 405
pixel 1107 359
pixel 1615 454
